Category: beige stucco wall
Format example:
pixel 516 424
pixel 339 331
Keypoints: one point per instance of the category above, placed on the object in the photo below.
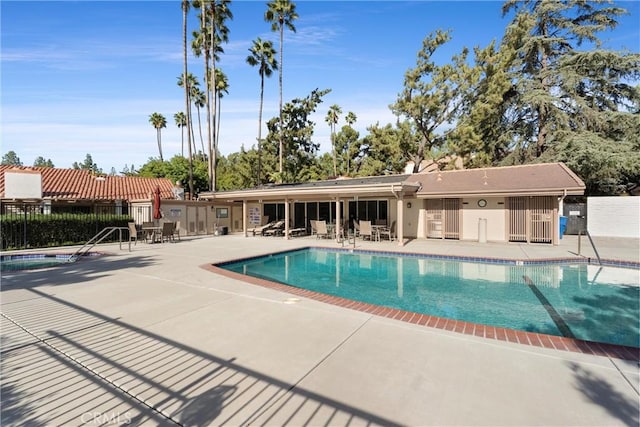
pixel 493 212
pixel 411 216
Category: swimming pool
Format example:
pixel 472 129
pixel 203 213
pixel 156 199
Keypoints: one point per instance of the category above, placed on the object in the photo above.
pixel 581 301
pixel 18 262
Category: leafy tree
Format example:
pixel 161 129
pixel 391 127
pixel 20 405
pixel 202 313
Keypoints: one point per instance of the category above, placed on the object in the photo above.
pixel 41 162
pixel 281 13
pixel 550 31
pixel 88 164
pixel 348 147
pixel 298 128
pixel 262 55
pixel 11 158
pixel 158 121
pixel 386 149
pixel 177 169
pixel 432 95
pixel 333 115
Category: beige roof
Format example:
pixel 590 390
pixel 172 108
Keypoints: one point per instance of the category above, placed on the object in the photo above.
pixel 534 179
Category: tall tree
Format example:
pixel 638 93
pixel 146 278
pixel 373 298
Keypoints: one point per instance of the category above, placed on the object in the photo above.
pixel 208 40
pixel 194 88
pixel 222 88
pixel 281 14
pixel 199 100
pixel 262 55
pixel 187 100
pixel 551 30
pixel 88 164
pixel 297 135
pixel 159 122
pixel 11 158
pixel 181 122
pixel 42 162
pixel 432 95
pixel 333 115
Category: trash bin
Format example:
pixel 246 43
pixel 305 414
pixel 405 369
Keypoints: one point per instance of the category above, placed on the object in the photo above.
pixel 563 225
pixel 225 231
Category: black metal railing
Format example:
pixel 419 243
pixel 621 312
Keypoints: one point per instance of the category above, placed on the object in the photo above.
pixel 37 225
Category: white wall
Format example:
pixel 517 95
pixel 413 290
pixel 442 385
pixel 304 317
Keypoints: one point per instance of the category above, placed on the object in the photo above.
pixel 494 212
pixel 613 216
pixel 22 185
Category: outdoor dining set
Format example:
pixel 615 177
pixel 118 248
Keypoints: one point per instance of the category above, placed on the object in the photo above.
pixel 154 233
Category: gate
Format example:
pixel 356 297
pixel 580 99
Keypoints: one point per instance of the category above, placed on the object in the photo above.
pixel 443 218
pixel 531 219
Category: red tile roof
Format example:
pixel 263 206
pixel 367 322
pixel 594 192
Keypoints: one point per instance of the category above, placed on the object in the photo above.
pixel 78 184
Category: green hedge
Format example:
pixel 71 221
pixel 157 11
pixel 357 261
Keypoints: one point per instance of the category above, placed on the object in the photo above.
pixel 57 229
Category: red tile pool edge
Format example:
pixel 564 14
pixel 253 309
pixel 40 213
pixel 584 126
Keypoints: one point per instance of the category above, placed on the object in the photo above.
pixel 467 328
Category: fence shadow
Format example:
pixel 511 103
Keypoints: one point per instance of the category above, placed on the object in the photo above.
pixel 90 363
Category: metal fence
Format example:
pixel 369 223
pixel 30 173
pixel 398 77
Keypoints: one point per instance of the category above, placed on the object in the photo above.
pixel 34 225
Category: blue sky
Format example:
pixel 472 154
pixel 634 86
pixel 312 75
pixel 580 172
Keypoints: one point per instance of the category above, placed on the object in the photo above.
pixel 83 77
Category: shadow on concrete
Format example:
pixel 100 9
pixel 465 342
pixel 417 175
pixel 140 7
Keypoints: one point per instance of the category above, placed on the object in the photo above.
pixel 601 393
pixel 82 271
pixel 152 377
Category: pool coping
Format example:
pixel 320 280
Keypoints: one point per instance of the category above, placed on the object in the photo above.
pixel 458 326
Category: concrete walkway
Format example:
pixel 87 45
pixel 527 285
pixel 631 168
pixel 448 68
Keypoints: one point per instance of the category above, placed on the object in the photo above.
pixel 148 337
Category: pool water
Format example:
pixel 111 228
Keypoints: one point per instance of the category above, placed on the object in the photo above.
pixel 32 261
pixel 580 301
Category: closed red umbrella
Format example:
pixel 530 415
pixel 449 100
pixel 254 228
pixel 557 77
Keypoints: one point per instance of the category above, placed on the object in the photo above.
pixel 156 203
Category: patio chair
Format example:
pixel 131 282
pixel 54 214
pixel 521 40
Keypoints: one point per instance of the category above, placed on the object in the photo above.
pixel 356 228
pixel 176 231
pixel 134 233
pixel 260 229
pixel 366 231
pixel 322 230
pixel 389 232
pixel 276 230
pixel 314 229
pixel 167 231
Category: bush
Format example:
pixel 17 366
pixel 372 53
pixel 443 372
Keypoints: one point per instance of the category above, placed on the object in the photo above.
pixel 56 229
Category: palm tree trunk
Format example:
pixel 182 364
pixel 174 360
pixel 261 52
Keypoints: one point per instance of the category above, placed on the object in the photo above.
pixel 260 127
pixel 208 84
pixel 281 145
pixel 159 142
pixel 214 146
pixel 185 5
pixel 200 130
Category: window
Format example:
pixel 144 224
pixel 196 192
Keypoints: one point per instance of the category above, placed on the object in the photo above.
pixel 222 212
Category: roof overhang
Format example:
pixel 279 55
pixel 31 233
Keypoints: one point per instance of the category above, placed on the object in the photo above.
pixel 397 190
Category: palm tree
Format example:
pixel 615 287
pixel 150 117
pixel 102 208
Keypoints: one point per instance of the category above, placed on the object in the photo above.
pixel 213 32
pixel 263 55
pixel 199 100
pixel 332 119
pixel 193 85
pixel 158 121
pixel 281 13
pixel 185 10
pixel 181 122
pixel 222 86
pixel 350 118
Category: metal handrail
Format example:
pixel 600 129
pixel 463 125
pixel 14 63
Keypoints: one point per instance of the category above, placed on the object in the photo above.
pixel 99 237
pixel 592 244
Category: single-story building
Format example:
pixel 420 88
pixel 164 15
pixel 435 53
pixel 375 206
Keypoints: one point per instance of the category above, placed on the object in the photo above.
pixel 54 190
pixel 502 204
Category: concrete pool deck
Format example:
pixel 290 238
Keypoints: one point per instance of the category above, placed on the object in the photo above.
pixel 148 337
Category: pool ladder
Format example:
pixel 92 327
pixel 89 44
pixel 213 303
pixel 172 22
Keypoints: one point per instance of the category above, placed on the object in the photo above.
pixel 592 244
pixel 102 234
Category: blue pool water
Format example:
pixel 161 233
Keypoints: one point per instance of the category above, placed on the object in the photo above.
pixel 32 261
pixel 581 301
